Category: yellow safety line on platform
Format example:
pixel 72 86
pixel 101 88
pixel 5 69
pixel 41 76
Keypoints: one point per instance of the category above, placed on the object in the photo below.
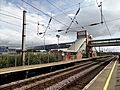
pixel 109 77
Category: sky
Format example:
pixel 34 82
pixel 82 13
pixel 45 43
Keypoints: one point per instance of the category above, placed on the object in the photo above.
pixel 61 11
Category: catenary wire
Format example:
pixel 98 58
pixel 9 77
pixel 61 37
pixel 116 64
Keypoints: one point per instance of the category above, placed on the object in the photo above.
pixel 60 10
pixel 44 13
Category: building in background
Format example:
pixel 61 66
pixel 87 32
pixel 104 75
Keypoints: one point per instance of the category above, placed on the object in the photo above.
pixel 3 49
pixel 72 50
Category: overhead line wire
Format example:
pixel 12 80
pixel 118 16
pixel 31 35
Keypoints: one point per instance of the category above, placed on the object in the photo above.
pixel 74 9
pixel 59 10
pixel 13 24
pixel 10 16
pixel 108 21
pixel 44 13
pixel 7 11
pixel 20 19
pixel 10 23
pixel 107 27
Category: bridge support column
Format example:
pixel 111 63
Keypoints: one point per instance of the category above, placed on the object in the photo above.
pixel 89 49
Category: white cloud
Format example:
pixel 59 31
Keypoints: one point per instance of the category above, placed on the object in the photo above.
pixel 10 34
pixel 71 15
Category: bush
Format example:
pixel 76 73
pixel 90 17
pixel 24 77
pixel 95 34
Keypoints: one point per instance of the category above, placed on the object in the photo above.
pixel 8 60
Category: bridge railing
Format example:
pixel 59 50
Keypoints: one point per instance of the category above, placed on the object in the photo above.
pixel 105 42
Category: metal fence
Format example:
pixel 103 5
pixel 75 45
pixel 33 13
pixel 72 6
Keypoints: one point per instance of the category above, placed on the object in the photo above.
pixel 14 59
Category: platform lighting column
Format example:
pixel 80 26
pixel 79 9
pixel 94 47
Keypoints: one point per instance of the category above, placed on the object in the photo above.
pixel 101 13
pixel 99 50
pixel 58 36
pixel 44 41
pixel 15 58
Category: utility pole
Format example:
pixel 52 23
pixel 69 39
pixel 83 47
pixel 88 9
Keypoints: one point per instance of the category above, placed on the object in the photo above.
pixel 15 58
pixel 23 37
pixel 87 49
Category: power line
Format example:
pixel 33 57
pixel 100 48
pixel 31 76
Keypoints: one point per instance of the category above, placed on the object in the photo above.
pixel 7 11
pixel 13 24
pixel 10 23
pixel 69 6
pixel 31 21
pixel 75 5
pixel 11 16
pixel 17 17
pixel 107 26
pixel 21 19
pixel 44 13
pixel 19 25
pixel 108 21
pixel 82 6
pixel 112 20
pixel 75 9
pixel 60 10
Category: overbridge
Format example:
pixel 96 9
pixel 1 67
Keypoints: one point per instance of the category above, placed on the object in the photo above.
pixel 104 42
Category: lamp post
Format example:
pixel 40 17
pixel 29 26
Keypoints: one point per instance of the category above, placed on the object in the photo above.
pixel 58 36
pixel 44 38
pixel 44 41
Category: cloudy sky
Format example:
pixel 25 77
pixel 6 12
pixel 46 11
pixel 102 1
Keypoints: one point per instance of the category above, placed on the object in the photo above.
pixel 61 12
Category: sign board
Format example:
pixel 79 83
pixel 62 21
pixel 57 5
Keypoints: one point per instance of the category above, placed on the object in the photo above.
pixel 81 34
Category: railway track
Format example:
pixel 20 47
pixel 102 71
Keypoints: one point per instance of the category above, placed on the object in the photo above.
pixel 62 79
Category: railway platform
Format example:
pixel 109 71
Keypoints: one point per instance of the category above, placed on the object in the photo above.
pixel 8 75
pixel 107 79
pixel 29 67
pixel 80 68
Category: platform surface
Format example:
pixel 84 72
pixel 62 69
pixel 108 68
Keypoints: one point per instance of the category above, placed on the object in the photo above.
pixel 107 79
pixel 28 67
